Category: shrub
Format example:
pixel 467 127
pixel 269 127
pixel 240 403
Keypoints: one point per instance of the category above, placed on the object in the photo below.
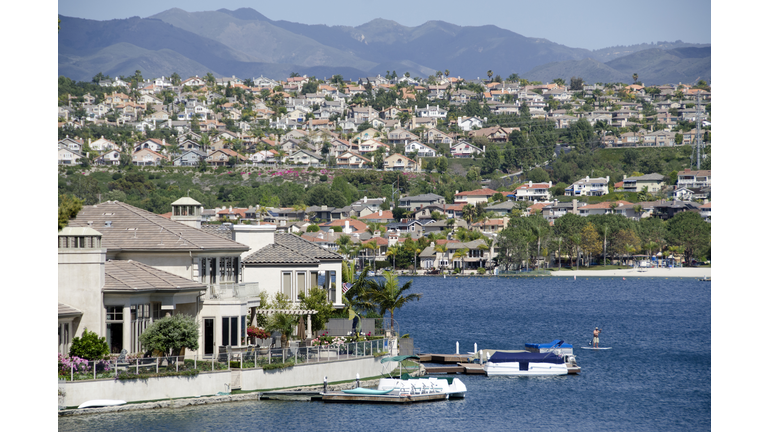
pixel 117 176
pixel 171 334
pixel 90 346
pixel 481 270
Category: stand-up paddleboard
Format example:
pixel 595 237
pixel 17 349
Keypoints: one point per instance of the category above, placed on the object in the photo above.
pixel 601 348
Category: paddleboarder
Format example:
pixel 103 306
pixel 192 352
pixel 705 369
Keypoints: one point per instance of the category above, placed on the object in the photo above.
pixel 595 337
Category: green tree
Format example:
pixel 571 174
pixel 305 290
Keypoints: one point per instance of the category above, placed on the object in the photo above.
pixel 69 207
pixel 171 334
pixel 691 232
pixel 492 161
pixel 89 346
pixel 279 321
pixel 317 299
pixel 388 295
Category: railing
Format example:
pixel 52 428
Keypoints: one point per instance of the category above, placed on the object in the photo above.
pixel 253 358
pixel 228 290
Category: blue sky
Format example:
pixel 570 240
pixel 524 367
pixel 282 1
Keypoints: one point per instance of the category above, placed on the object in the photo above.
pixel 590 24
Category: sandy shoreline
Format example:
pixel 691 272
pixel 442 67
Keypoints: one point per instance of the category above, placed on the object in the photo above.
pixel 694 272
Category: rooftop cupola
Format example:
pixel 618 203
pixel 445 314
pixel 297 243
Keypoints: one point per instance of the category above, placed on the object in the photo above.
pixel 187 211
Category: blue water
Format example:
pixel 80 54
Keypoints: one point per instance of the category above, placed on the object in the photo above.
pixel 656 377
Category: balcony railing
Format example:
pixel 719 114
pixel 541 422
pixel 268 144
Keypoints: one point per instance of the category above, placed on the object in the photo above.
pixel 230 290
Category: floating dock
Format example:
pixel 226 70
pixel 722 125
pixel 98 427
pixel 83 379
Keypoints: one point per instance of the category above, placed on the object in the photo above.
pixel 459 364
pixel 387 398
pixel 292 395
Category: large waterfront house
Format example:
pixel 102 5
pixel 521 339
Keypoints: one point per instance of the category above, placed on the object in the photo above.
pixel 121 267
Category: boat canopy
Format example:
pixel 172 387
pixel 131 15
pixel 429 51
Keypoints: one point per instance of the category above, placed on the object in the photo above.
pixel 557 343
pixel 399 358
pixel 526 357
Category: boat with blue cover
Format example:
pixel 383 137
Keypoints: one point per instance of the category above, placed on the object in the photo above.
pixel 557 346
pixel 525 364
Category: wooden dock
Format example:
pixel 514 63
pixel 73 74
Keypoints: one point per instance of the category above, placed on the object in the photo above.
pixel 444 358
pixel 458 368
pixel 399 399
pixel 292 395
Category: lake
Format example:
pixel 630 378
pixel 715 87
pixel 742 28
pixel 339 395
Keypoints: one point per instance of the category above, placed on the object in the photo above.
pixel 656 376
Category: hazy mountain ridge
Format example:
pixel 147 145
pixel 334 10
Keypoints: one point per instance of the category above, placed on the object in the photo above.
pixel 246 43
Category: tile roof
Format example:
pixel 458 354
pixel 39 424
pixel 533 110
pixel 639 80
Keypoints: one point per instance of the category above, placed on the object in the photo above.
pixel 129 275
pixel 134 229
pixel 385 214
pixel 478 192
pixel 305 247
pixel 66 310
pixel 356 225
pixel 607 205
pixel 278 254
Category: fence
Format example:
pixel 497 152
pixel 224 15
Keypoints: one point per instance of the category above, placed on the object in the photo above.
pixel 372 326
pixel 253 357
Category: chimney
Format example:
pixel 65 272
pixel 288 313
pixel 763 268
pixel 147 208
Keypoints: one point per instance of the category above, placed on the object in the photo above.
pixel 587 178
pixel 381 212
pixel 550 183
pixel 254 236
pixel 365 200
pixel 346 227
pixel 575 205
pixel 530 183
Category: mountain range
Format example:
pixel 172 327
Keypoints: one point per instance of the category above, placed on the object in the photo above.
pixel 247 44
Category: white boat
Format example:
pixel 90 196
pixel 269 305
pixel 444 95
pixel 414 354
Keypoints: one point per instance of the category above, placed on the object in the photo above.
pixel 99 403
pixel 453 387
pixel 526 364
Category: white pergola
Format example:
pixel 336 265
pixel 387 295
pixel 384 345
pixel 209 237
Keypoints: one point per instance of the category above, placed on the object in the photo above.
pixel 301 312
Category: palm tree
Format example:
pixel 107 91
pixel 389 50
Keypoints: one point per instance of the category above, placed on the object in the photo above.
pixel 371 246
pixel 392 251
pixel 301 208
pixel 576 240
pixel 538 232
pixel 442 249
pixel 634 77
pixel 461 253
pixel 345 245
pixel 415 254
pixel 490 74
pixel 388 295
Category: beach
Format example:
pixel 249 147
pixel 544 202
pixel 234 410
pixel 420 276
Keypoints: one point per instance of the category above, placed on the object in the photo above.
pixel 693 272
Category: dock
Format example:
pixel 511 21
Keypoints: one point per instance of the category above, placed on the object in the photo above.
pixel 400 399
pixel 292 395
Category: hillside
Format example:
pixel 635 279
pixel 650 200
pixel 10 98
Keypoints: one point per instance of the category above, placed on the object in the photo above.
pixel 247 44
pixel 654 66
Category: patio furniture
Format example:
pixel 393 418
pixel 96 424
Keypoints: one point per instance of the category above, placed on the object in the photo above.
pixel 225 353
pixel 122 362
pixel 250 354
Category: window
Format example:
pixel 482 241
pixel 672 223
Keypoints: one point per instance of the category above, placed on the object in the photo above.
pixel 140 319
pixel 229 331
pixel 287 284
pixel 115 328
pixel 64 339
pixel 301 283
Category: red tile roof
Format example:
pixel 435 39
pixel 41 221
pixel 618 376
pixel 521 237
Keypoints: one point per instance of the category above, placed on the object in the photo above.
pixel 479 192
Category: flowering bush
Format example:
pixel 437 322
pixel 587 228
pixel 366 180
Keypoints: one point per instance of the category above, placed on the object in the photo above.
pixel 258 333
pixel 326 340
pixel 80 365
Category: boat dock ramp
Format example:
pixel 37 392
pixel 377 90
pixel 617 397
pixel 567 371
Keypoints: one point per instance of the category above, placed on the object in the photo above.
pixel 459 364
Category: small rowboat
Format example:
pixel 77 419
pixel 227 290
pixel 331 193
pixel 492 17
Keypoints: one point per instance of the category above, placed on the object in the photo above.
pixel 100 403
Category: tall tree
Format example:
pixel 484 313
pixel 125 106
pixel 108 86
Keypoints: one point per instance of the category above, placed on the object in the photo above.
pixel 691 232
pixel 388 295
